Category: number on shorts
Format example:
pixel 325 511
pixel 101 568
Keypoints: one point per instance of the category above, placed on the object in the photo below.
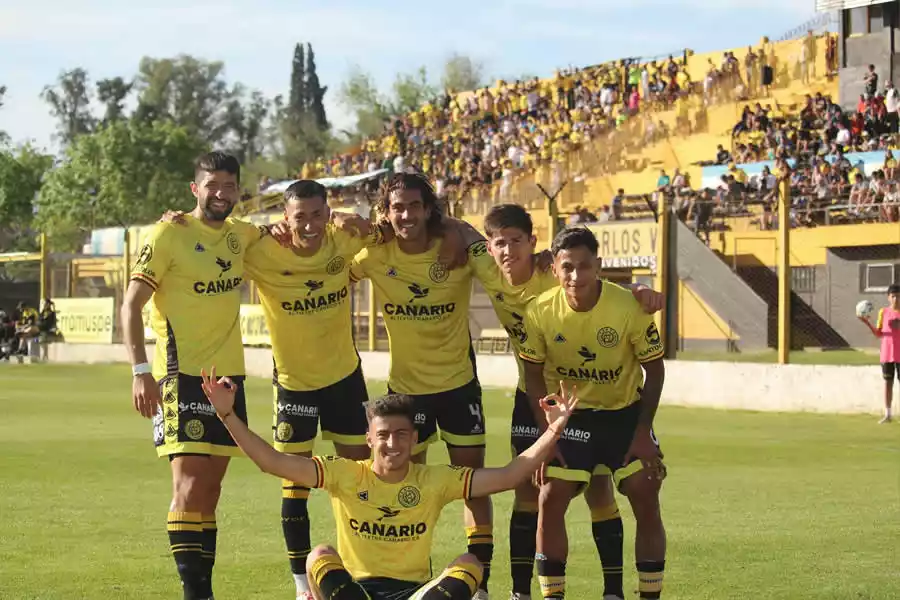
pixel 475 409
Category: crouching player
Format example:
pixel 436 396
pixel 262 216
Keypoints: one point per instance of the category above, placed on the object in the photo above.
pixel 386 508
pixel 594 334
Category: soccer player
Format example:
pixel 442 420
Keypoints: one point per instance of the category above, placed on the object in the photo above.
pixel 887 328
pixel 386 508
pixel 305 295
pixel 193 274
pixel 517 282
pixel 426 313
pixel 594 334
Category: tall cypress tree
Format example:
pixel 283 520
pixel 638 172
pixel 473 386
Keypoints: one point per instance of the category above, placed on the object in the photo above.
pixel 298 104
pixel 315 92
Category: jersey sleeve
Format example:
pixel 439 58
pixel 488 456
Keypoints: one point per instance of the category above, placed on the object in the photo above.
pixel 644 336
pixel 484 269
pixel 154 257
pixel 454 483
pixel 359 265
pixel 534 348
pixel 334 473
pixel 351 245
pixel 879 322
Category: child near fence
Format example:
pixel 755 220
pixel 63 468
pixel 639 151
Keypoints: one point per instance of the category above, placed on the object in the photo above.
pixel 887 328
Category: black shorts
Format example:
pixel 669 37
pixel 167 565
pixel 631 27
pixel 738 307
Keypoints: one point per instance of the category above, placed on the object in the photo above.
pixel 524 432
pixel 458 413
pixel 340 407
pixel 595 442
pixel 186 423
pixel 890 371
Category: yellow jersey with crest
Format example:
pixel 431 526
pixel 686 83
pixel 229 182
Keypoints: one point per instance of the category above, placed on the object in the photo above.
pixel 306 302
pixel 510 302
pixel 196 272
pixel 426 313
pixel 386 529
pixel 600 350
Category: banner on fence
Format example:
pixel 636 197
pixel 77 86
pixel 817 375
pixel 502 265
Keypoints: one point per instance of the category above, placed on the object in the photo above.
pixel 85 320
pixel 627 245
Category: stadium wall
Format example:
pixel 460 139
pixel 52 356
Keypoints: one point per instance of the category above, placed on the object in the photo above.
pixel 721 385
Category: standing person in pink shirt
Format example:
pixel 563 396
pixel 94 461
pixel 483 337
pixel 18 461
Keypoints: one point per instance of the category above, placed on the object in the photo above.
pixel 887 327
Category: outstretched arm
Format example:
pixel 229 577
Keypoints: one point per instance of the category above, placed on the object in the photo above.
pixel 558 408
pixel 287 466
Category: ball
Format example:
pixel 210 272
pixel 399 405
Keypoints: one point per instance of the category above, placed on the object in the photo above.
pixel 864 308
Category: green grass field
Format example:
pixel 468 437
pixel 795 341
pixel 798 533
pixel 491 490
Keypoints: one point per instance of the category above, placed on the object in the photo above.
pixel 786 506
pixel 799 357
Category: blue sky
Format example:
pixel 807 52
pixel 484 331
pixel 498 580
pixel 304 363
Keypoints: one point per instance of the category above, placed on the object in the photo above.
pixel 40 38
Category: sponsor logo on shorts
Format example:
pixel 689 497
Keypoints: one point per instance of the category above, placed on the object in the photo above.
pixel 524 431
pixel 420 419
pixel 576 435
pixel 298 410
pixel 284 432
pixel 409 496
pixel 312 304
pixel 589 374
pixel 203 408
pixel 194 429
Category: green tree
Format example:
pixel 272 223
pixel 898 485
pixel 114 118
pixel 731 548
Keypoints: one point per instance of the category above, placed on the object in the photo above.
pixel 360 94
pixel 4 138
pixel 297 106
pixel 410 91
pixel 127 172
pixel 246 117
pixel 21 173
pixel 315 91
pixel 462 73
pixel 69 102
pixel 190 92
pixel 112 94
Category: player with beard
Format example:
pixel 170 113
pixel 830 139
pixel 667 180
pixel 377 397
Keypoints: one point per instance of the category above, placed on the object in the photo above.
pixel 514 283
pixel 386 508
pixel 191 274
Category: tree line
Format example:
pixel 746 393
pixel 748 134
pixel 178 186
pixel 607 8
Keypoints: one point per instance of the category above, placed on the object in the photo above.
pixel 127 144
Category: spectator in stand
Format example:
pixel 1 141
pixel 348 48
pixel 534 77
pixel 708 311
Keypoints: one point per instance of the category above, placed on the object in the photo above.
pixel 892 106
pixel 617 202
pixel 722 155
pixel 871 81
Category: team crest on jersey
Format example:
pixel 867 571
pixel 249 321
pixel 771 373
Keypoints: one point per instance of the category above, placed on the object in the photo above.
pixel 284 432
pixel 233 243
pixel 607 337
pixel 194 429
pixel 438 273
pixel 409 496
pixel 335 265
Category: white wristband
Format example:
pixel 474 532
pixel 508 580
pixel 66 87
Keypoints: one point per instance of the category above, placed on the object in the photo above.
pixel 141 369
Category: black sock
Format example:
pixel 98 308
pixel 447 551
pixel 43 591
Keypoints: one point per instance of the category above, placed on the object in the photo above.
pixel 522 546
pixel 295 524
pixel 480 539
pixel 650 577
pixel 210 532
pixel 186 542
pixel 552 577
pixel 608 537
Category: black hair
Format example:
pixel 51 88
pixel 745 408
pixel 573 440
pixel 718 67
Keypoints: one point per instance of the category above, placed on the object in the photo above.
pixel 305 188
pixel 414 181
pixel 391 405
pixel 508 215
pixel 574 237
pixel 894 288
pixel 217 161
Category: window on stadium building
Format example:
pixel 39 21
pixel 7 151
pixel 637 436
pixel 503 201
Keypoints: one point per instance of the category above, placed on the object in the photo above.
pixel 857 20
pixel 876 18
pixel 877 277
pixel 803 279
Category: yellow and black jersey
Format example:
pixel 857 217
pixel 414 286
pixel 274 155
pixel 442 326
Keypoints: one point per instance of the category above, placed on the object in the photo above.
pixel 600 350
pixel 426 312
pixel 306 301
pixel 385 529
pixel 196 271
pixel 510 302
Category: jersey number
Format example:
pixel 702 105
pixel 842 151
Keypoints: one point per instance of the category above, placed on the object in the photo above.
pixel 475 409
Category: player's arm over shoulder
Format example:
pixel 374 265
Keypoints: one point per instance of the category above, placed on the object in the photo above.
pixel 248 234
pixel 364 261
pixel 534 348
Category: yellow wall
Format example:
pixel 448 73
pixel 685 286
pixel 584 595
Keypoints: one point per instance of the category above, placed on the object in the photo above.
pixel 697 321
pixel 808 246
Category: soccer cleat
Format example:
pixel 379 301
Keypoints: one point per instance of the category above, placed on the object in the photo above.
pixel 480 595
pixel 518 596
pixel 306 596
pixel 885 419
